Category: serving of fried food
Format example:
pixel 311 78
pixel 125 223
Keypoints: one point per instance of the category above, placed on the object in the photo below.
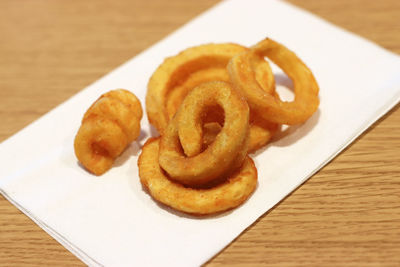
pixel 212 105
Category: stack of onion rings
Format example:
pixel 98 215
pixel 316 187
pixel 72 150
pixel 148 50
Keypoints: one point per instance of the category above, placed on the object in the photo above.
pixel 179 172
pixel 212 104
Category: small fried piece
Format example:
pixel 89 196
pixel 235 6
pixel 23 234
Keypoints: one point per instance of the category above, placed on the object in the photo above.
pixel 229 194
pixel 108 126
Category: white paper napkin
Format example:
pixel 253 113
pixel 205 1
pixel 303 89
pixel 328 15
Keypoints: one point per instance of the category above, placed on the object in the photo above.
pixel 112 221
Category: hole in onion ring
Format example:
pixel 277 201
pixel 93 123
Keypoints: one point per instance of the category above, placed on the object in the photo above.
pixel 284 87
pixel 213 113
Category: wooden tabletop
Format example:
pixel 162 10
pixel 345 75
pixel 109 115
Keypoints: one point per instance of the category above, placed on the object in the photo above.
pixel 348 214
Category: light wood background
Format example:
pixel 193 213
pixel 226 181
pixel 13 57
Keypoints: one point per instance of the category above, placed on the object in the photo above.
pixel 348 214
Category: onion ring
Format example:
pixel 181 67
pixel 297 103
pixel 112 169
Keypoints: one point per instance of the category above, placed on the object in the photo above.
pixel 269 106
pixel 174 71
pixel 108 126
pixel 185 131
pixel 224 196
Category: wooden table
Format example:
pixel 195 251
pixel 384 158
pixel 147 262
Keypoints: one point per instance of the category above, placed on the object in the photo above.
pixel 347 214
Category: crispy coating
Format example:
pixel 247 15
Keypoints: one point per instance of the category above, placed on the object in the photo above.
pixel 108 126
pixel 224 196
pixel 181 144
pixel 269 107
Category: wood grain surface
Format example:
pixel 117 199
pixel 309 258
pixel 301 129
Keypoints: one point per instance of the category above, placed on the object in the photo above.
pixel 348 214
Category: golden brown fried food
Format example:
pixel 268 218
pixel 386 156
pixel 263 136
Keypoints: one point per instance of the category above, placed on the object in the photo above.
pixel 108 126
pixel 181 154
pixel 178 93
pixel 269 107
pixel 261 132
pixel 179 74
pixel 224 196
pixel 198 104
pixel 176 70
